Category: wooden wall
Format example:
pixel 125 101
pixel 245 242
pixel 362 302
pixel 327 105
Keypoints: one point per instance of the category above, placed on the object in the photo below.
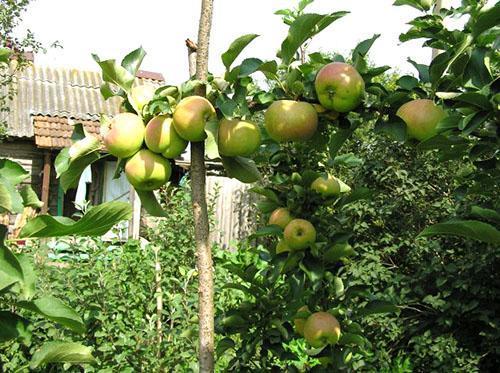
pixel 30 157
pixel 233 208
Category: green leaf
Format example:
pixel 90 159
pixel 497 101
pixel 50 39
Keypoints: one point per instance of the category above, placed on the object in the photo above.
pixel 13 326
pixel 376 307
pixel 484 213
pixel 224 345
pixel 236 48
pixel 476 99
pixel 113 73
pixel 12 172
pixel 486 20
pixel 352 339
pixel 30 199
pixel 303 28
pixel 338 251
pixel 240 168
pixel 338 139
pixel 338 286
pixel 61 352
pixel 55 310
pixel 151 204
pixel 132 61
pixel 211 142
pixel 266 192
pixel 10 268
pixel 96 222
pixel 10 199
pixel 270 230
pixel 407 82
pixel 423 71
pixel 472 229
pixel 27 286
pixel 363 47
pixel 418 4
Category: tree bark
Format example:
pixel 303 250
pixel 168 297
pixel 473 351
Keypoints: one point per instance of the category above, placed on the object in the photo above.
pixel 201 225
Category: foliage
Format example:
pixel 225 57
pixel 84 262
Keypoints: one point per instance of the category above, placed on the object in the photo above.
pixel 12 47
pixel 18 289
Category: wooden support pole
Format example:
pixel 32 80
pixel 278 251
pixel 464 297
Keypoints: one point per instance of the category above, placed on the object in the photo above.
pixel 204 261
pixel 47 160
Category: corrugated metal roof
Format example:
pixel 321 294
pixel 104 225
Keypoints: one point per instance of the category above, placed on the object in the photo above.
pixel 58 92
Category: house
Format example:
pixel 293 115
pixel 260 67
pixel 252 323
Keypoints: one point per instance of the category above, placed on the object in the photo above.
pixel 48 103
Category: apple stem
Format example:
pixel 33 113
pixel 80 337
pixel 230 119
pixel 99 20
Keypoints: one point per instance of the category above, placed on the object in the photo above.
pixel 200 213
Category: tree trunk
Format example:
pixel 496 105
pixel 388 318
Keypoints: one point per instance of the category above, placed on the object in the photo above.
pixel 198 179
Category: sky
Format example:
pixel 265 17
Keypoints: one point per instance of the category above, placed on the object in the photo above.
pixel 112 28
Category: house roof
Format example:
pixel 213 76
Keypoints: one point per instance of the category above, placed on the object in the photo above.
pixel 62 93
pixel 55 132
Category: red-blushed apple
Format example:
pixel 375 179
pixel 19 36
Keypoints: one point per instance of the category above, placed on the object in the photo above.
pixel 161 137
pixel 190 117
pixel 326 186
pixel 140 95
pixel 339 87
pixel 299 323
pixel 238 137
pixel 288 120
pixel 124 135
pixel 282 247
pixel 147 171
pixel 280 217
pixel 299 234
pixel 320 329
pixel 421 118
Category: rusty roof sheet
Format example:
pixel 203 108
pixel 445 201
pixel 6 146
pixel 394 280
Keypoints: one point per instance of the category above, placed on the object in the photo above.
pixel 59 92
pixel 55 132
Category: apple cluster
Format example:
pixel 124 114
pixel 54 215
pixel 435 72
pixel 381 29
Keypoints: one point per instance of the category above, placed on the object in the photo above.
pixel 147 148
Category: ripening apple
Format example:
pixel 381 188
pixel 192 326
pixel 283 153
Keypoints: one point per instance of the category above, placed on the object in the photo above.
pixel 140 95
pixel 339 87
pixel 299 234
pixel 238 137
pixel 124 135
pixel 161 137
pixel 326 186
pixel 300 322
pixel 147 171
pixel 280 217
pixel 190 117
pixel 320 329
pixel 282 247
pixel 288 120
pixel 421 117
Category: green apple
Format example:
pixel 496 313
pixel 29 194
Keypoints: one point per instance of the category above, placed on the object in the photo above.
pixel 299 234
pixel 281 217
pixel 161 137
pixel 124 135
pixel 288 120
pixel 147 171
pixel 238 138
pixel 190 117
pixel 421 118
pixel 326 186
pixel 282 247
pixel 320 329
pixel 299 323
pixel 140 95
pixel 339 87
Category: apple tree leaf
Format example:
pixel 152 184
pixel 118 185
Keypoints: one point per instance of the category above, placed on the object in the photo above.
pixel 472 229
pixel 240 168
pixel 97 221
pixel 61 352
pixel 236 48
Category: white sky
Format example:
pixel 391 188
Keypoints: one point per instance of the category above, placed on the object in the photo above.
pixel 111 28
